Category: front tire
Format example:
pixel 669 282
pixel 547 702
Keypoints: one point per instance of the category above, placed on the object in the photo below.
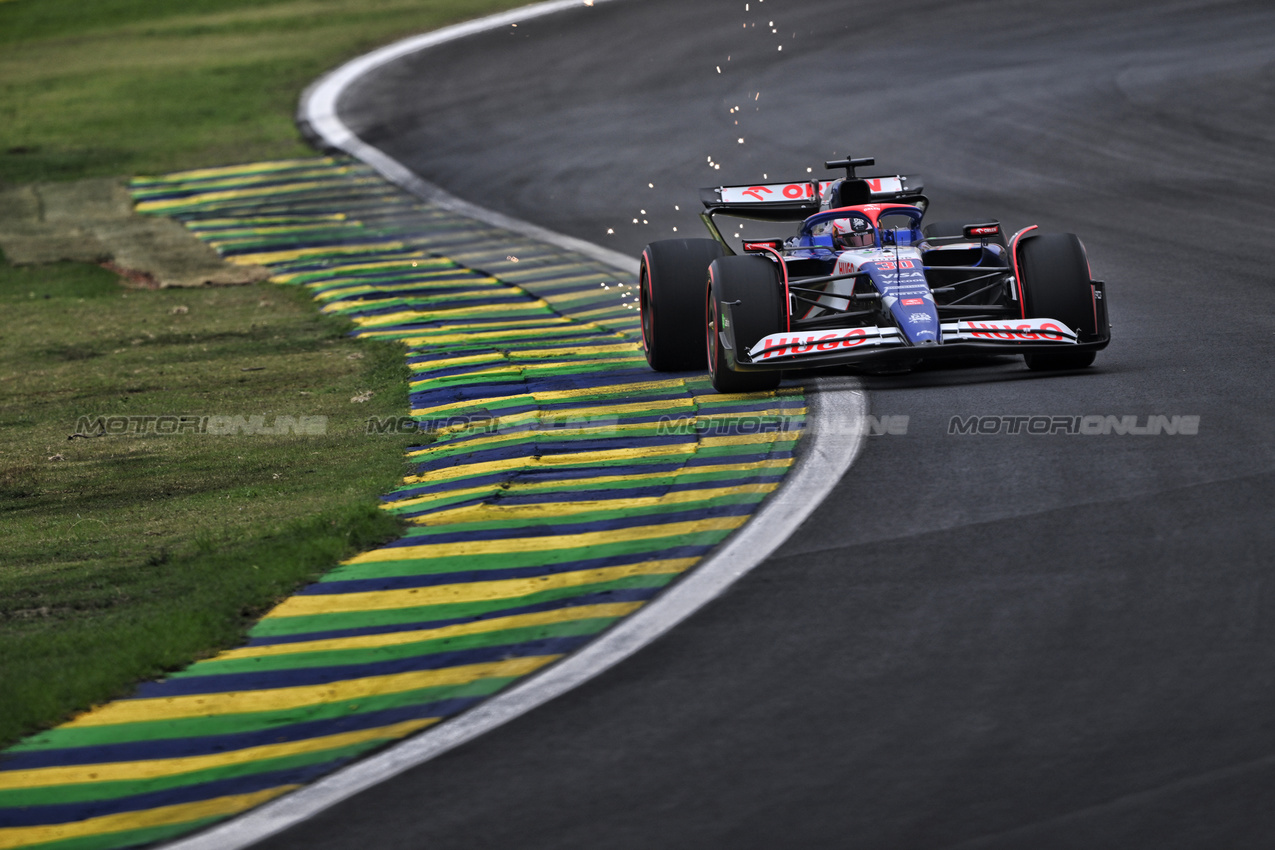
pixel 670 289
pixel 752 289
pixel 1053 273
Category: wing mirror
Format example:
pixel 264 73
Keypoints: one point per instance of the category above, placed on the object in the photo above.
pixel 976 232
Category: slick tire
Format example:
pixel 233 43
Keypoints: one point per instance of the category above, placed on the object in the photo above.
pixel 1054 275
pixel 671 300
pixel 752 289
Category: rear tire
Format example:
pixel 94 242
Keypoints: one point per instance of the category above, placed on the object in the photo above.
pixel 1053 273
pixel 755 284
pixel 670 296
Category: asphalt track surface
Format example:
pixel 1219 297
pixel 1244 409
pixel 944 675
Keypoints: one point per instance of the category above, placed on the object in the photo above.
pixel 995 641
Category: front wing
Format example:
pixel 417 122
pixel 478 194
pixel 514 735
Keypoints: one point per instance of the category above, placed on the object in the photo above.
pixel 849 345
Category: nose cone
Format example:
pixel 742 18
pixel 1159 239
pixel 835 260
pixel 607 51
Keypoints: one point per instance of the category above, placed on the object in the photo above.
pixel 901 281
pixel 919 322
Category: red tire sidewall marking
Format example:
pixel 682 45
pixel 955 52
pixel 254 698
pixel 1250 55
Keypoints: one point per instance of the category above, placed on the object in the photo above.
pixel 710 328
pixel 1018 276
pixel 644 301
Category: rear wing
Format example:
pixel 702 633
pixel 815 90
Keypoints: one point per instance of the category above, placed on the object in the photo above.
pixel 797 201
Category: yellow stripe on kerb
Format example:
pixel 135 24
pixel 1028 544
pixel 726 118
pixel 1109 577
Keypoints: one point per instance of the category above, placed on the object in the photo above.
pixel 586 483
pixel 407 317
pixel 684 419
pixel 546 353
pixel 234 195
pixel 495 624
pixel 550 427
pixel 157 768
pixel 522 367
pixel 560 413
pixel 448 363
pixel 402 261
pixel 472 591
pixel 351 304
pixel 265 258
pixel 548 462
pixel 323 165
pixel 504 370
pixel 745 439
pixel 538 324
pixel 281 221
pixel 560 396
pixel 556 395
pixel 602 311
pixel 286 699
pixel 24 836
pixel 493 336
pixel 499 512
pixel 689 447
pixel 543 544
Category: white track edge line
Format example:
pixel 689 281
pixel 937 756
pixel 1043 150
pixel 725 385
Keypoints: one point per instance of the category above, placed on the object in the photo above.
pixel 827 452
pixel 833 438
pixel 317 115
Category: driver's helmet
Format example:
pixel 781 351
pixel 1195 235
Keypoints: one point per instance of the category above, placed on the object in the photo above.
pixel 852 233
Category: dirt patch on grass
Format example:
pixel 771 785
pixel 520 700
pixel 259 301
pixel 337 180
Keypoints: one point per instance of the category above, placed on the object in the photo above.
pixel 92 221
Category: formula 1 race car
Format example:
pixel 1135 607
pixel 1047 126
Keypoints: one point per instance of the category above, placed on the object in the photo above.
pixel 863 283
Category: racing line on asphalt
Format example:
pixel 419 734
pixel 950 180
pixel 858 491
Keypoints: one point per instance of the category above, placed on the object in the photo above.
pixel 985 641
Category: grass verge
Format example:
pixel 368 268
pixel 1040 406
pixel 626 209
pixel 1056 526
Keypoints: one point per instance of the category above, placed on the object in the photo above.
pixel 121 87
pixel 124 556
